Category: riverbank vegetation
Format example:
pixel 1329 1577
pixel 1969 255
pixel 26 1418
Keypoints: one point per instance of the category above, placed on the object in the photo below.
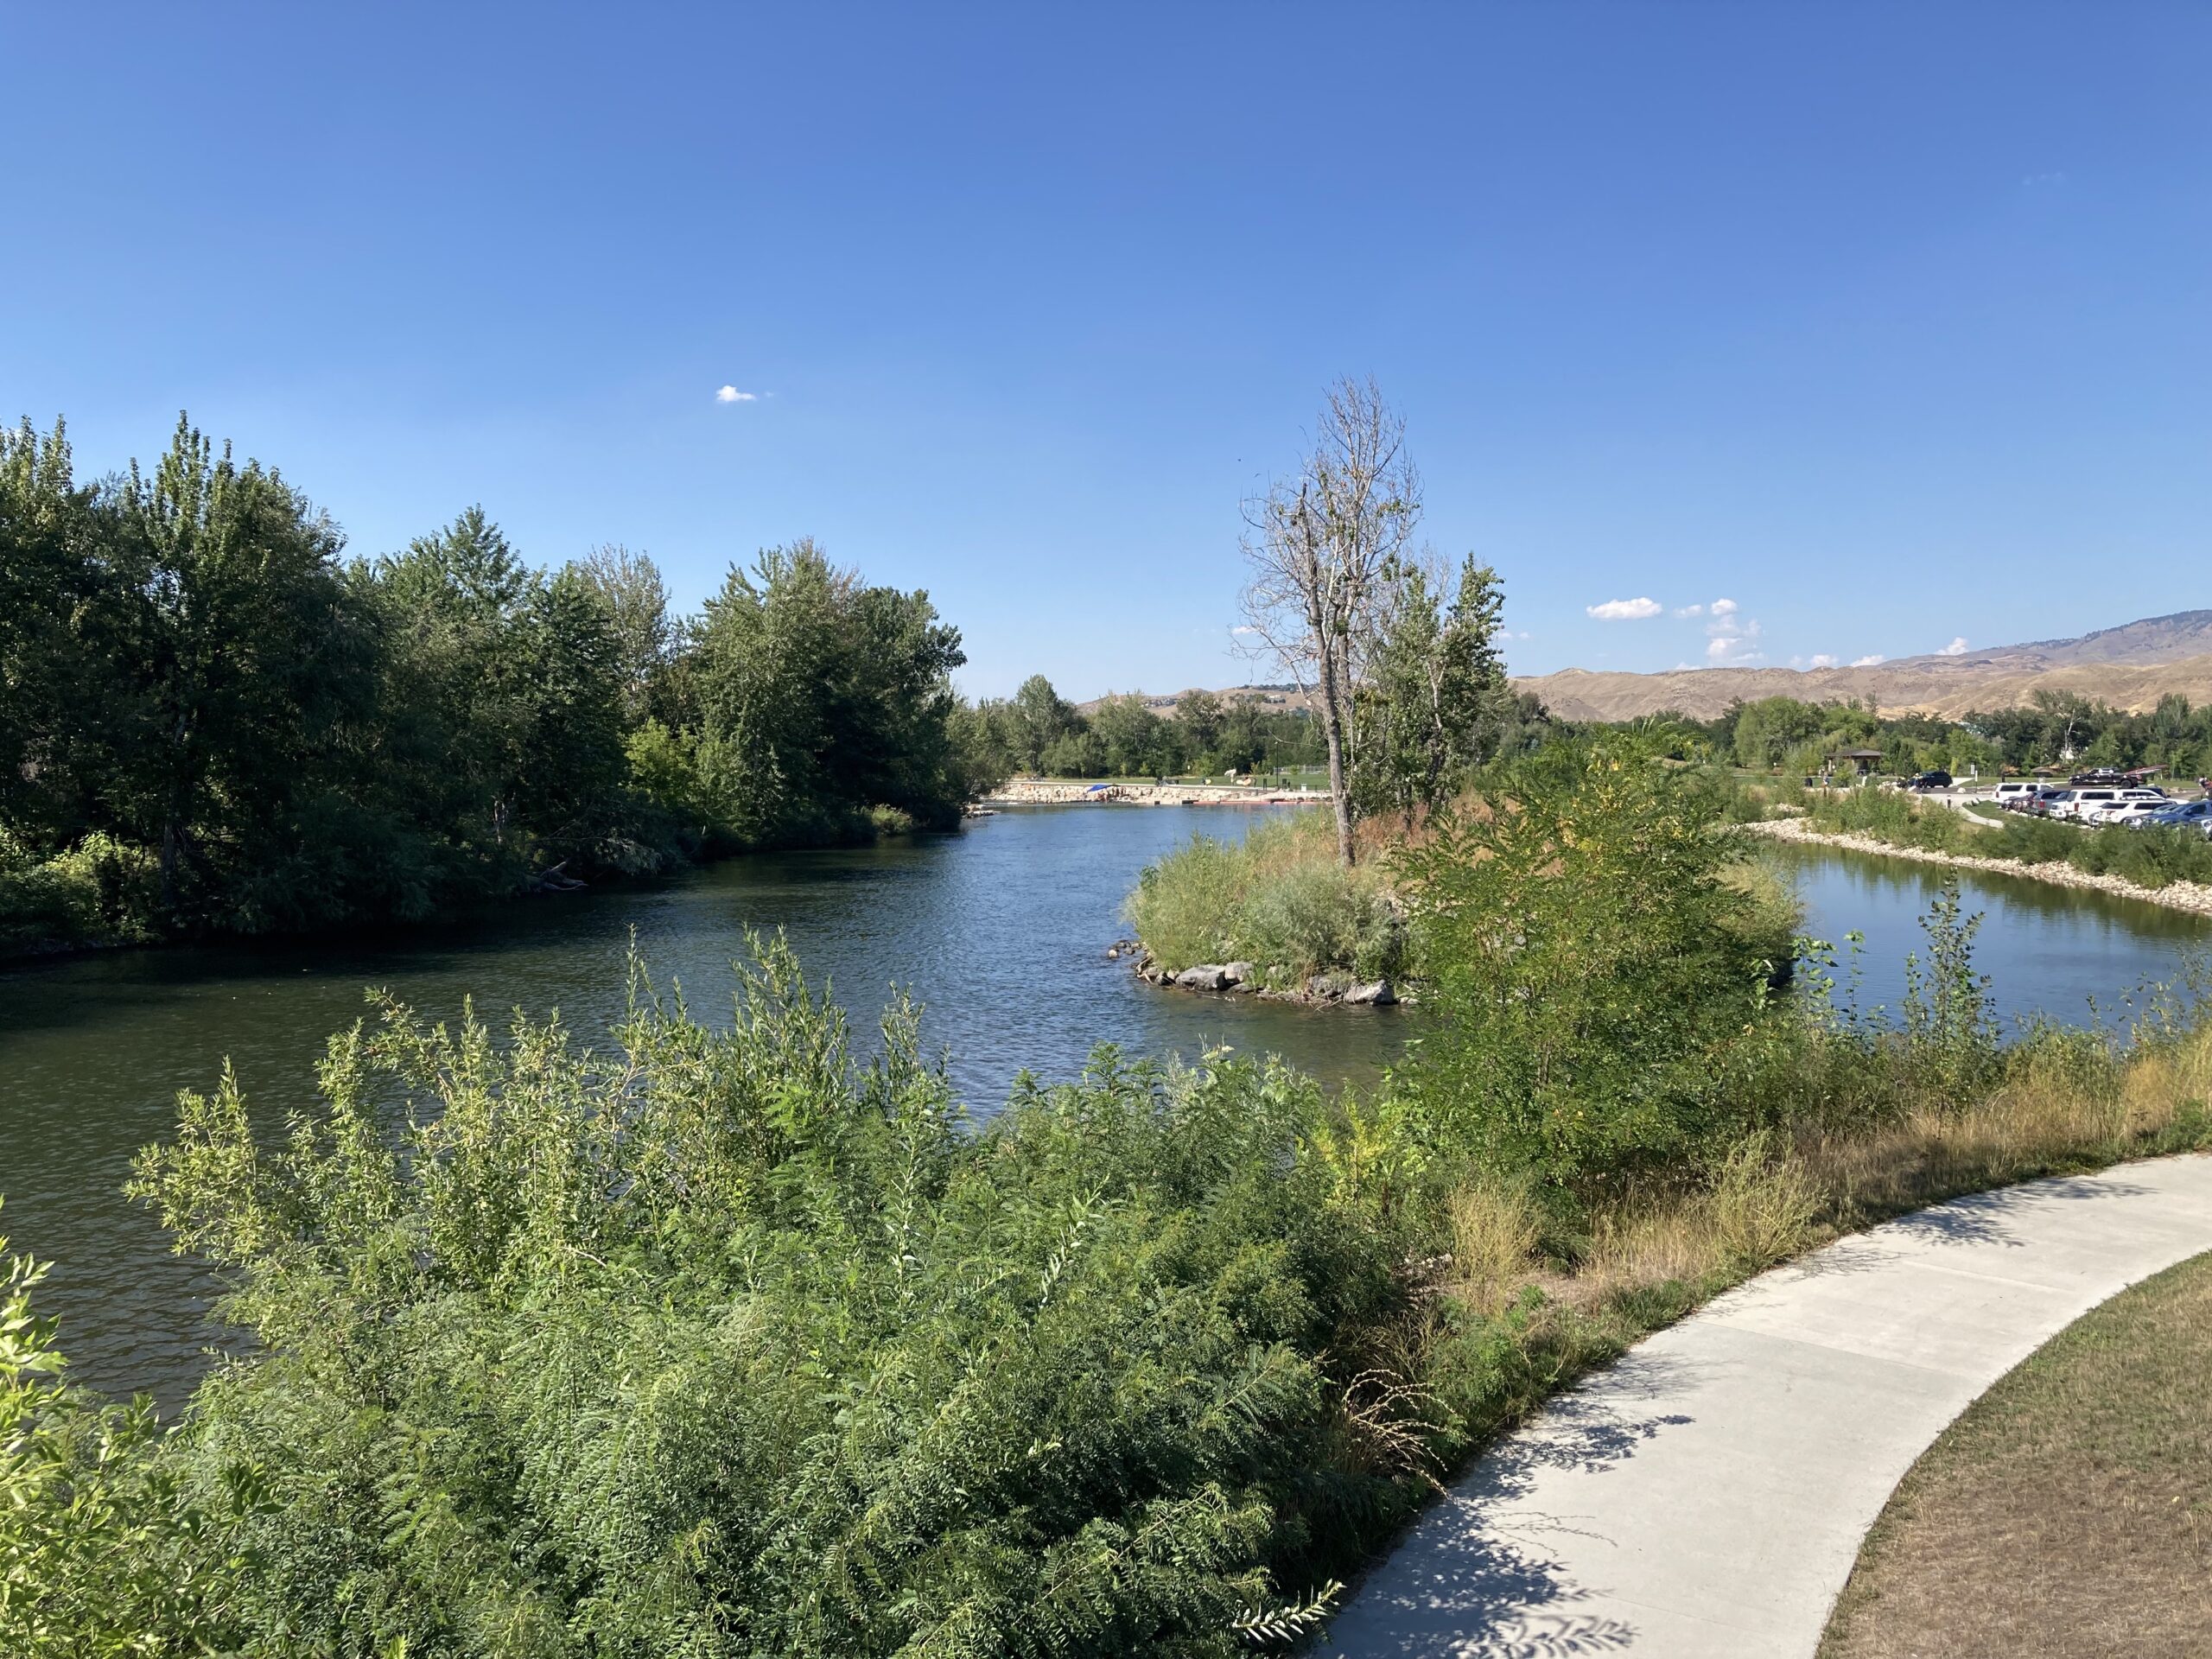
pixel 2052 730
pixel 1036 732
pixel 1280 899
pixel 720 1342
pixel 2151 857
pixel 213 721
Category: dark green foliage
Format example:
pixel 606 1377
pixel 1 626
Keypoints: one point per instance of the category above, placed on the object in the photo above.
pixel 1435 704
pixel 1593 972
pixel 193 684
pixel 718 1343
pixel 825 697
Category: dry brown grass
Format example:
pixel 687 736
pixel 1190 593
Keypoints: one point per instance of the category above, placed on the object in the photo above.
pixel 2064 1107
pixel 2068 1512
pixel 1496 1227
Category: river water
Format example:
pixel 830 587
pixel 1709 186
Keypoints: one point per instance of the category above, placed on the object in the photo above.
pixel 1000 931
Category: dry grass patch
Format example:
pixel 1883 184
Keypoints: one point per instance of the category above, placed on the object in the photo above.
pixel 1659 1248
pixel 2068 1512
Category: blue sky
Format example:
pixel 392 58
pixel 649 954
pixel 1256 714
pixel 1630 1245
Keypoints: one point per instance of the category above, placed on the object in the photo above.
pixel 1888 325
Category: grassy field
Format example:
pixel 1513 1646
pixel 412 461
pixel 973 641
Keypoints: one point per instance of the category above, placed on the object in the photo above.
pixel 2068 1512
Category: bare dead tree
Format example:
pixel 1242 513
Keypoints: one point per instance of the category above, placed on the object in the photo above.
pixel 1324 551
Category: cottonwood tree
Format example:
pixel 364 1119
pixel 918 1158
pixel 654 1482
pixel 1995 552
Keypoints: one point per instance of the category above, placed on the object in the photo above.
pixel 1325 550
pixel 1435 700
pixel 629 585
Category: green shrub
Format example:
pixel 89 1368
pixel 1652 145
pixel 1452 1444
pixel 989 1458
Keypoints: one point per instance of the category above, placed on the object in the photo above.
pixel 100 891
pixel 1278 898
pixel 1591 969
pixel 1893 816
pixel 99 1537
pixel 1318 915
pixel 721 1344
pixel 890 821
pixel 1185 907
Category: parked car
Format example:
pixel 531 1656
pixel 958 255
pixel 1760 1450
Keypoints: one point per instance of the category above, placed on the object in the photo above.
pixel 2045 802
pixel 2182 815
pixel 2014 797
pixel 2127 812
pixel 2125 802
pixel 2101 778
pixel 1926 780
pixel 2077 803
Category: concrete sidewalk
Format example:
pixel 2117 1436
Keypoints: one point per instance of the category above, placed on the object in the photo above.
pixel 1705 1498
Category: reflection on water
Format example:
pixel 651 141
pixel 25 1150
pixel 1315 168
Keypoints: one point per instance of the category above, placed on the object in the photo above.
pixel 2048 950
pixel 1000 931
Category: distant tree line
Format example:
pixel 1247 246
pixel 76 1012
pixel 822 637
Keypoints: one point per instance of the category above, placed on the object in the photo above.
pixel 2053 729
pixel 212 721
pixel 1037 732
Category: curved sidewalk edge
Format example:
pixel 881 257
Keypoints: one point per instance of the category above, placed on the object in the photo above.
pixel 1706 1496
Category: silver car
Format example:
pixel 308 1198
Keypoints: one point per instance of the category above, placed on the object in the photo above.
pixel 2184 815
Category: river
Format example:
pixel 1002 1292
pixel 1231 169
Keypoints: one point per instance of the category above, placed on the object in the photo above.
pixel 1001 930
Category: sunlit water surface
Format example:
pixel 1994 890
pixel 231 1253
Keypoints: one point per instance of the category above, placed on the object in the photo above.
pixel 1000 931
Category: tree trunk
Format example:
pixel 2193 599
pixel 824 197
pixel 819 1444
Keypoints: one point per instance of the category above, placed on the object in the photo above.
pixel 1332 729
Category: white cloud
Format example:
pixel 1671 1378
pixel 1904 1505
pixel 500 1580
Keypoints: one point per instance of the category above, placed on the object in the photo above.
pixel 1691 610
pixel 1244 628
pixel 1868 661
pixel 1727 640
pixel 1625 610
pixel 1956 648
pixel 1823 660
pixel 732 395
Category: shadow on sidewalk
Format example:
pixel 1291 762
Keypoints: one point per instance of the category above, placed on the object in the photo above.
pixel 1475 1578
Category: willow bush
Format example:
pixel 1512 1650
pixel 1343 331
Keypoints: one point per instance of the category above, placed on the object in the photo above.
pixel 720 1342
pixel 1600 981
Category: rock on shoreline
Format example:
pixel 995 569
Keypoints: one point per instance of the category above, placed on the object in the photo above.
pixel 1221 977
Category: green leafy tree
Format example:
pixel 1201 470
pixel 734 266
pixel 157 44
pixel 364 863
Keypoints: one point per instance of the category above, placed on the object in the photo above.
pixel 1592 970
pixel 1045 718
pixel 1200 714
pixel 54 609
pixel 242 664
pixel 629 586
pixel 825 697
pixel 1138 743
pixel 1435 700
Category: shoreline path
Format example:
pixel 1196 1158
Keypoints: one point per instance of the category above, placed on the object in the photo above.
pixel 1705 1496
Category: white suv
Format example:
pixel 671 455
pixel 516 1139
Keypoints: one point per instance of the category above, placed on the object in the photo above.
pixel 2081 803
pixel 2124 804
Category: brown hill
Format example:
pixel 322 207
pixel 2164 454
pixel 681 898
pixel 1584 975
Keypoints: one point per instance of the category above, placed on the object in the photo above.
pixel 2129 667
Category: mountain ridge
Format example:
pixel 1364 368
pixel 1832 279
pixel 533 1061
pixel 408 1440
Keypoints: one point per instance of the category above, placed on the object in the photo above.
pixel 2131 666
